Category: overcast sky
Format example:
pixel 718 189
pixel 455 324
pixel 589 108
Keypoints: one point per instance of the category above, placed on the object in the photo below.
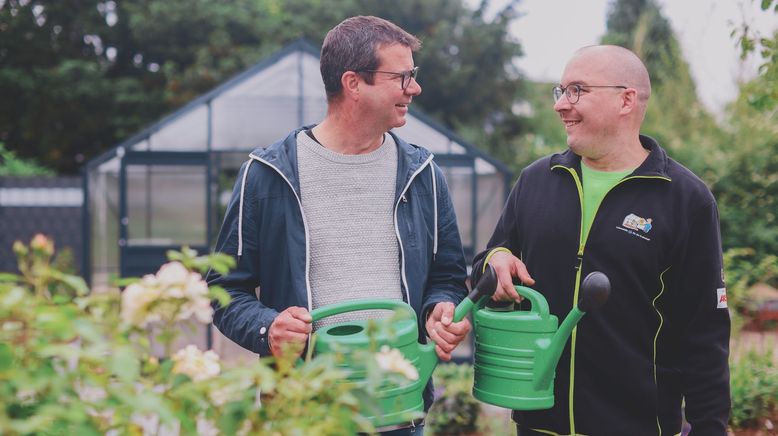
pixel 551 30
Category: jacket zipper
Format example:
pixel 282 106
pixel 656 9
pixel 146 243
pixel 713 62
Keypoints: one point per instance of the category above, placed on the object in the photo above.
pixel 305 228
pixel 579 267
pixel 397 228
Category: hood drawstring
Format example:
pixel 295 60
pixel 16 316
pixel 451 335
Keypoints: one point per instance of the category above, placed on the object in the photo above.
pixel 434 213
pixel 240 209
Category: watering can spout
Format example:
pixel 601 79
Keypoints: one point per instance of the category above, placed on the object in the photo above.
pixel 595 290
pixel 427 362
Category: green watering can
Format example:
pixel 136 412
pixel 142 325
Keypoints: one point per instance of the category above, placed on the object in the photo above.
pixel 516 351
pixel 396 403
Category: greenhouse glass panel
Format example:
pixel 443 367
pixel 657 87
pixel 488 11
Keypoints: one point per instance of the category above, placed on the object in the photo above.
pixel 314 110
pixel 418 132
pixel 188 132
pixel 313 86
pixel 460 181
pixel 103 204
pixel 491 200
pixel 278 79
pixel 245 122
pixel 166 205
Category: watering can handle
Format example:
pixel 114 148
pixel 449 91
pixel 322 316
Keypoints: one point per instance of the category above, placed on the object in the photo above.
pixel 357 305
pixel 536 299
pixel 539 303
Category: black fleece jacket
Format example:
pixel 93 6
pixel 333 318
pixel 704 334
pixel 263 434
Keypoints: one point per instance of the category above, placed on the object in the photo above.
pixel 663 336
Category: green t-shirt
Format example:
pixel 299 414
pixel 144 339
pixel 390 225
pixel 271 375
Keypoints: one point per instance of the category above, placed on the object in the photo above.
pixel 595 185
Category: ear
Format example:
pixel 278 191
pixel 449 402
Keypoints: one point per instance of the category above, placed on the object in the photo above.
pixel 629 100
pixel 351 81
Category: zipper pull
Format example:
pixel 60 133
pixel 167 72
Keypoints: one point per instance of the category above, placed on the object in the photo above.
pixel 579 256
pixel 404 200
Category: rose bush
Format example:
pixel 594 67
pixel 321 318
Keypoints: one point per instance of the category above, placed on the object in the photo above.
pixel 76 362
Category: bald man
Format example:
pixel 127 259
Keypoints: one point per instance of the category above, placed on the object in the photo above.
pixel 615 202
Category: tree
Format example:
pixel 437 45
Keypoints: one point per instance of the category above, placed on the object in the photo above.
pixel 748 187
pixel 83 75
pixel 675 115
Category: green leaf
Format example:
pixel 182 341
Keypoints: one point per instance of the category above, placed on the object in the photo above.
pixel 220 295
pixel 14 297
pixel 74 282
pixel 124 282
pixel 125 364
pixel 8 277
pixel 6 357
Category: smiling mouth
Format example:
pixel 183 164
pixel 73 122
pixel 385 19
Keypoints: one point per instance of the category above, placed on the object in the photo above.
pixel 570 123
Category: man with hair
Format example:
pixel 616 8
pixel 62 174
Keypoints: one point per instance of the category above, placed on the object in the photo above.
pixel 616 203
pixel 344 210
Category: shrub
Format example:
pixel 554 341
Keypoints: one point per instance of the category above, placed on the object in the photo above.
pixel 754 387
pixel 12 165
pixel 742 272
pixel 75 362
pixel 455 411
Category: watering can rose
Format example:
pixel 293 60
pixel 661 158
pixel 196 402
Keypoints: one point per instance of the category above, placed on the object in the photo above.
pixel 173 294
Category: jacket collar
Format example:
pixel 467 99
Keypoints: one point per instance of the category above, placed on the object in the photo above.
pixel 655 164
pixel 409 158
pixel 282 155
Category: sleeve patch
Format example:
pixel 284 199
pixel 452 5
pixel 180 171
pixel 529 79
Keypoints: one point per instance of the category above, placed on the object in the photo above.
pixel 721 294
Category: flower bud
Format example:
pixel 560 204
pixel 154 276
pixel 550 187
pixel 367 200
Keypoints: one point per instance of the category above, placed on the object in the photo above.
pixel 42 244
pixel 20 249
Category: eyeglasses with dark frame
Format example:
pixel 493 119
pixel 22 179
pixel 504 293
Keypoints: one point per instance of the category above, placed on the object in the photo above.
pixel 406 76
pixel 573 92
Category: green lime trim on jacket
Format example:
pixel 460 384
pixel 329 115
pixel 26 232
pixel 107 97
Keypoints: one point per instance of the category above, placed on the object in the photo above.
pixel 574 335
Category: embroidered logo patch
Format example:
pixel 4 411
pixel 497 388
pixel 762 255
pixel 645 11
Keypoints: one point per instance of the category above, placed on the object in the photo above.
pixel 721 295
pixel 636 226
pixel 635 222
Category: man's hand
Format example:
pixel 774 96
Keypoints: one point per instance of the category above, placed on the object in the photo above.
pixel 506 266
pixel 290 330
pixel 446 334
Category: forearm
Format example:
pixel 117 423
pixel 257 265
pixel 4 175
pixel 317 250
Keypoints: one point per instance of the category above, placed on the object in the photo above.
pixel 246 321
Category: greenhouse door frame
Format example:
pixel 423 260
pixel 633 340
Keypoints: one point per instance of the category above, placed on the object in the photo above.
pixel 136 260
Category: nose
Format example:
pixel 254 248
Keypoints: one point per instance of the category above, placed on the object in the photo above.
pixel 413 87
pixel 562 104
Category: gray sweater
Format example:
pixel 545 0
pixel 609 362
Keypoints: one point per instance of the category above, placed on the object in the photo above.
pixel 348 202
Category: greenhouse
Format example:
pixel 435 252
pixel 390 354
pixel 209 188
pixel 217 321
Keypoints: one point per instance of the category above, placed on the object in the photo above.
pixel 168 185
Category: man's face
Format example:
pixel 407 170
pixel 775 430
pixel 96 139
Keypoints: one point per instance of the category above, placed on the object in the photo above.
pixel 592 122
pixel 385 102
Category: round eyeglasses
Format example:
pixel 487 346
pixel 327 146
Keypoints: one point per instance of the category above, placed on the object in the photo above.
pixel 573 92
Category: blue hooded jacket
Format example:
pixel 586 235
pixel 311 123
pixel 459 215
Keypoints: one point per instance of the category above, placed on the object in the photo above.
pixel 265 229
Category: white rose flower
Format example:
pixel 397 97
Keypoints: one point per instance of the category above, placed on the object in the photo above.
pixel 221 395
pixel 196 286
pixel 90 394
pixel 136 300
pixel 174 292
pixel 196 364
pixel 172 274
pixel 202 310
pixel 149 280
pixel 392 360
